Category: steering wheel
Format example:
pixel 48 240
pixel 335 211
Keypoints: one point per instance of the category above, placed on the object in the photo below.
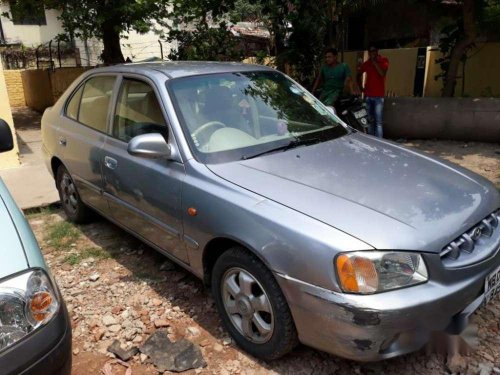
pixel 206 126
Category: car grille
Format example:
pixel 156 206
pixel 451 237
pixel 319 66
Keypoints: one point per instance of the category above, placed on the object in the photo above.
pixel 461 251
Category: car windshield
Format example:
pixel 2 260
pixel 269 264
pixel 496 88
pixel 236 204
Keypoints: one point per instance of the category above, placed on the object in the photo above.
pixel 234 116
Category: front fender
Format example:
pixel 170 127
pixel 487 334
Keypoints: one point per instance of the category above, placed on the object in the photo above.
pixel 287 241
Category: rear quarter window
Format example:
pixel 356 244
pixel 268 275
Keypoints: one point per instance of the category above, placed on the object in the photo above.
pixel 74 104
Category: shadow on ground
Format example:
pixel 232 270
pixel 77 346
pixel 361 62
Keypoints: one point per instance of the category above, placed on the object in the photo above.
pixel 26 118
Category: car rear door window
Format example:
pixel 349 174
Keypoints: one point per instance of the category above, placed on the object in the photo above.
pixel 138 111
pixel 74 104
pixel 95 102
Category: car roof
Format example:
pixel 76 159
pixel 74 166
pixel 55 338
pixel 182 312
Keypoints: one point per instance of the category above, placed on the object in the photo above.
pixel 177 69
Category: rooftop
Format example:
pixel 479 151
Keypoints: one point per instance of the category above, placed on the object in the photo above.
pixel 176 69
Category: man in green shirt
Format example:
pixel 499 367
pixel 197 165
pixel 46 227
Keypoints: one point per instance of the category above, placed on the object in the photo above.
pixel 334 77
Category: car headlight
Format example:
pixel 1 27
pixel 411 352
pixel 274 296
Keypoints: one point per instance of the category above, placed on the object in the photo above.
pixel 27 302
pixel 368 272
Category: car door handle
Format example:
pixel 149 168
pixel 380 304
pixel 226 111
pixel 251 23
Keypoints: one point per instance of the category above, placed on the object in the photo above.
pixel 62 141
pixel 110 162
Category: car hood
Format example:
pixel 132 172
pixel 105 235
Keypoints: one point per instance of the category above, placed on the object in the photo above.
pixel 12 255
pixel 386 195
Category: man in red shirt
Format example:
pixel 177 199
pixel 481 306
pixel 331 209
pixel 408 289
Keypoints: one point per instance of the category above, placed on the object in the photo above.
pixel 376 69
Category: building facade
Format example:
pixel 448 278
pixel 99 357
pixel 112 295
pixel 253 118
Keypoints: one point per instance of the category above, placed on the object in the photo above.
pixel 44 26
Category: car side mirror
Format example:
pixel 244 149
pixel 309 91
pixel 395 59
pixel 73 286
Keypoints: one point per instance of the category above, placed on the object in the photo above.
pixel 150 146
pixel 6 140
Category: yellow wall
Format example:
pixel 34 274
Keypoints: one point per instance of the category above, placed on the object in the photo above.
pixel 268 61
pixel 481 72
pixel 37 89
pixel 15 88
pixel 62 78
pixel 7 159
pixel 432 86
pixel 400 78
pixel 43 87
pixel 482 77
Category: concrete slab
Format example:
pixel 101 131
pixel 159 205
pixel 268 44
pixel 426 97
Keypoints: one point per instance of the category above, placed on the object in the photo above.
pixel 31 184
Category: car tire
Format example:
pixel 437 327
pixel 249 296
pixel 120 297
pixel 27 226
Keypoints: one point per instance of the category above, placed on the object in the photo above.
pixel 277 334
pixel 75 209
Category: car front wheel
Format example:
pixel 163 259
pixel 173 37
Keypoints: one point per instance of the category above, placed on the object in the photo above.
pixel 252 306
pixel 75 209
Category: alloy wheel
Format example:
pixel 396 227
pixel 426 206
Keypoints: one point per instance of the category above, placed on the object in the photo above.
pixel 247 305
pixel 68 193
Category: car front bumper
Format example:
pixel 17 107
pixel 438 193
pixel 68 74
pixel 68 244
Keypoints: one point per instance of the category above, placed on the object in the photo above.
pixel 45 351
pixel 375 327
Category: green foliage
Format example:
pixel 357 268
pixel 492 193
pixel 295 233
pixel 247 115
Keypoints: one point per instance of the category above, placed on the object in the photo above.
pixel 85 18
pixel 246 11
pixel 306 43
pixel 489 18
pixel 61 235
pixel 91 252
pixel 299 29
pixel 450 35
pixel 201 32
pixel 205 43
pixel 260 57
pixel 26 12
pixel 34 213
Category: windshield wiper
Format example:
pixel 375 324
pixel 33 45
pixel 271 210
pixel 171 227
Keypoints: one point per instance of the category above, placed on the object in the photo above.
pixel 292 144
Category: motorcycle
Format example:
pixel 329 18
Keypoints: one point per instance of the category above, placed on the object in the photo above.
pixel 353 111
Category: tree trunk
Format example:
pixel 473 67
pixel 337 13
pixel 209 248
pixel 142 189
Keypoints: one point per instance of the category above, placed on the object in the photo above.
pixel 279 45
pixel 112 53
pixel 460 49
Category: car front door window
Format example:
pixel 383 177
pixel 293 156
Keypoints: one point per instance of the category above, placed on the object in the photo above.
pixel 137 111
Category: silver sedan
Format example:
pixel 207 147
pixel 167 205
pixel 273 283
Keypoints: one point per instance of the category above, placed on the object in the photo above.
pixel 304 229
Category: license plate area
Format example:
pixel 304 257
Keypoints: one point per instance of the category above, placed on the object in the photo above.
pixel 492 285
pixel 360 114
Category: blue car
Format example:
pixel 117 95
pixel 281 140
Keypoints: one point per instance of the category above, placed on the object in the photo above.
pixel 35 330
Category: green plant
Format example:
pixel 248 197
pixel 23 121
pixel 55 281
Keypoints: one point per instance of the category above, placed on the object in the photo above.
pixel 260 57
pixel 41 211
pixel 450 35
pixel 91 252
pixel 205 43
pixel 61 235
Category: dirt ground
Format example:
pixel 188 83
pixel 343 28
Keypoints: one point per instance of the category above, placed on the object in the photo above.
pixel 482 158
pixel 117 288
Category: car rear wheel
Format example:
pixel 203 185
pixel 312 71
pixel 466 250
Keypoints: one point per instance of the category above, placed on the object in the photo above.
pixel 75 209
pixel 252 306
